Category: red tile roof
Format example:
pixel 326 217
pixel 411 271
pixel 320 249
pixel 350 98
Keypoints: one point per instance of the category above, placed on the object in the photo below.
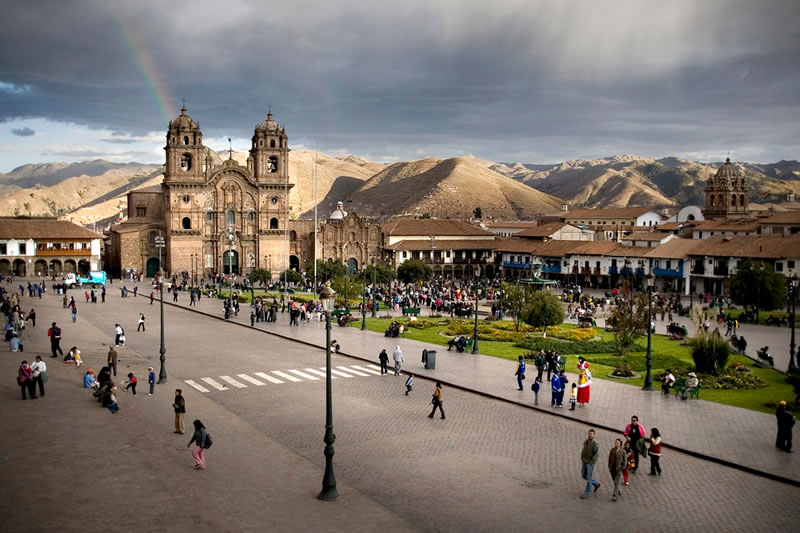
pixel 425 245
pixel 430 226
pixel 43 228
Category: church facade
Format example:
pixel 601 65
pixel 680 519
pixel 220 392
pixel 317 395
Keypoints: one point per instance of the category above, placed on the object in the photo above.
pixel 208 217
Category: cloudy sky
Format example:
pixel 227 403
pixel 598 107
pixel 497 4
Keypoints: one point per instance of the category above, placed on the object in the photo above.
pixel 511 80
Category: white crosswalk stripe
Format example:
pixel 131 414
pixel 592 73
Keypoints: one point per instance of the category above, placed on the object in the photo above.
pixel 304 375
pixel 196 385
pixel 215 384
pixel 248 379
pixel 233 382
pixel 356 372
pixel 285 376
pixel 317 372
pixel 367 369
pixel 268 377
pixel 338 373
pixel 292 375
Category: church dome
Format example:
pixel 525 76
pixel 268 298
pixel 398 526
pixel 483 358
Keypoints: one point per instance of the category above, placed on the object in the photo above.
pixel 727 170
pixel 184 121
pixel 268 125
pixel 339 213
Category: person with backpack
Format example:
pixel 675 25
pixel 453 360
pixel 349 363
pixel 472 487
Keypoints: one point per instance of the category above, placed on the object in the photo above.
pixel 55 340
pixel 203 441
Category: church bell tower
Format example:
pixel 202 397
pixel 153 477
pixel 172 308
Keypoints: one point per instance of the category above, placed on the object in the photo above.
pixel 185 151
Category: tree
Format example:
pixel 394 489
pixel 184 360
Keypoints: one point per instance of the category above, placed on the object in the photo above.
pixel 347 286
pixel 384 274
pixel 477 212
pixel 628 322
pixel 261 275
pixel 757 288
pixel 513 302
pixel 291 276
pixel 542 309
pixel 328 270
pixel 413 271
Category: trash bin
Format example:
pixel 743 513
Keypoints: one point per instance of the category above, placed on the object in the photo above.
pixel 429 359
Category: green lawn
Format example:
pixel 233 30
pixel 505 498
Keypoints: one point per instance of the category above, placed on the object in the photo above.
pixel 666 353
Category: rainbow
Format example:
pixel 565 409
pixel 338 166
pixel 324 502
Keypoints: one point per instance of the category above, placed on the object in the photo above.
pixel 147 68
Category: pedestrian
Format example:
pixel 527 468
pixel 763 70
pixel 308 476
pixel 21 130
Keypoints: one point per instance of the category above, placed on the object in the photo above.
pixel 103 292
pixel 383 357
pixel 785 421
pixel 535 389
pixel 539 365
pixel 617 458
pixel 141 327
pixel 74 313
pixel 634 433
pixel 25 380
pixel 589 455
pixel 39 369
pixel 174 294
pixel 409 383
pixel 151 297
pixel 669 381
pixel 655 452
pixel 200 437
pixel 520 373
pixel 252 318
pixel 32 318
pixel 151 380
pixel 112 403
pixel 55 340
pixel 131 383
pixel 555 386
pixel 573 397
pixel 629 461
pixel 180 408
pixel 117 334
pixel 112 359
pixel 437 400
pixel 136 290
pixel 397 355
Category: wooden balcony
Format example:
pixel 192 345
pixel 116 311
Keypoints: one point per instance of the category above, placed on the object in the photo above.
pixel 63 253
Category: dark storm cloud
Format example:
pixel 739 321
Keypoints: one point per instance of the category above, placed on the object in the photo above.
pixel 536 81
pixel 23 132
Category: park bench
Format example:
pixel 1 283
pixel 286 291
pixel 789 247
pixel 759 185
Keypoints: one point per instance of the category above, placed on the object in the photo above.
pixel 414 311
pixel 338 312
pixel 678 388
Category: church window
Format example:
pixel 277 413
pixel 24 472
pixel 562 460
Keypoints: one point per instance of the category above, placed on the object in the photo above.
pixel 141 211
pixel 712 200
pixel 209 261
pixel 186 223
pixel 261 142
pixel 741 200
pixel 251 216
pixel 272 166
pixel 186 139
pixel 273 223
pixel 272 143
pixel 209 216
pixel 185 198
pixel 274 200
pixel 733 200
pixel 293 235
pixel 720 201
pixel 230 217
pixel 172 140
pixel 186 162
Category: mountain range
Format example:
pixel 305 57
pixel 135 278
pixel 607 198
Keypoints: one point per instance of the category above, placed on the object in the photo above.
pixel 95 191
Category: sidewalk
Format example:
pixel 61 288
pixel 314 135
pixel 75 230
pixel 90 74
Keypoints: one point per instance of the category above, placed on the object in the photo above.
pixel 728 435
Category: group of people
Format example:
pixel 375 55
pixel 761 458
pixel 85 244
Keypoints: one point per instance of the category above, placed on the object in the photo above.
pixel 623 458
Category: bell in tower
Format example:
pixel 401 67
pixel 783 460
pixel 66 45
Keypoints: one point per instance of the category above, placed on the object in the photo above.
pixel 270 152
pixel 185 151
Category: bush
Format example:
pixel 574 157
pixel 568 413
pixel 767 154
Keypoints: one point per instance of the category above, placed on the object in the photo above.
pixel 566 347
pixel 576 334
pixel 638 362
pixel 710 352
pixel 623 371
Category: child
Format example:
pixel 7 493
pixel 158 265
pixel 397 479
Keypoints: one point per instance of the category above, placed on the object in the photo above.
pixel 113 406
pixel 630 461
pixel 409 383
pixel 151 379
pixel 131 383
pixel 535 389
pixel 573 397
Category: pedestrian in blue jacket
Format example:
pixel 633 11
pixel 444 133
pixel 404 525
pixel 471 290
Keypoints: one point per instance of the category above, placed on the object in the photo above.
pixel 555 382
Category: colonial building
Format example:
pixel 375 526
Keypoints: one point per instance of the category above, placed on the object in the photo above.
pixel 47 247
pixel 726 193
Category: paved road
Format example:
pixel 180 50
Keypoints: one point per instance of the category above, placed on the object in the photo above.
pixel 490 465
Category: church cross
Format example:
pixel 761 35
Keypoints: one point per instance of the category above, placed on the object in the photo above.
pixel 230 149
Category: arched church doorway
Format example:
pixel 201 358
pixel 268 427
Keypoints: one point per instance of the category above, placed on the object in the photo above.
pixel 151 267
pixel 294 263
pixel 352 266
pixel 230 262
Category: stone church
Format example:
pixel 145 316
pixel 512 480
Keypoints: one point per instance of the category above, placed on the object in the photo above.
pixel 229 218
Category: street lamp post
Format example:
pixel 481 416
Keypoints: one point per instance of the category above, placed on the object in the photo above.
pixel 364 304
pixel 374 268
pixel 162 372
pixel 475 330
pixel 648 378
pixel 792 306
pixel 230 238
pixel 329 492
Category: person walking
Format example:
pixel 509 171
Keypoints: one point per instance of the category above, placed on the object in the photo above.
pixel 199 437
pixel 112 359
pixel 55 340
pixel 617 459
pixel 409 383
pixel 520 373
pixel 437 400
pixel 397 355
pixel 117 335
pixel 32 318
pixel 151 380
pixel 25 380
pixel 589 455
pixel 785 421
pixel 628 461
pixel 655 452
pixel 180 408
pixel 555 385
pixel 635 432
pixel 131 384
pixel 535 389
pixel 141 327
pixel 383 357
pixel 74 312
pixel 39 376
